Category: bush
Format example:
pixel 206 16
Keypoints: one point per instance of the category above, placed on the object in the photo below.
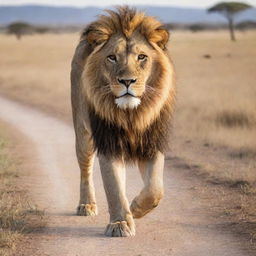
pixel 41 30
pixel 246 25
pixel 196 27
pixel 232 119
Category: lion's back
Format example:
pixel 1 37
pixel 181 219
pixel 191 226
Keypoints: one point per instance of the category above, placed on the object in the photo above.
pixel 77 67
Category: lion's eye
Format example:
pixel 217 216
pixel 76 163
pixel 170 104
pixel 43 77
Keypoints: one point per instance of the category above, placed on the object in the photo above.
pixel 112 58
pixel 142 57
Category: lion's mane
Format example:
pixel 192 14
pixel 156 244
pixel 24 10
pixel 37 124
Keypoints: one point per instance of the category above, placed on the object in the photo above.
pixel 131 133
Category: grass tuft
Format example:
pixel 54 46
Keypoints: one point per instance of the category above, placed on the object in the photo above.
pixel 7 239
pixel 243 153
pixel 231 119
pixel 16 212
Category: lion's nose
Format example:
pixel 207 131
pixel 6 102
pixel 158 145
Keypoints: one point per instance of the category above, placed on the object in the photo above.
pixel 126 82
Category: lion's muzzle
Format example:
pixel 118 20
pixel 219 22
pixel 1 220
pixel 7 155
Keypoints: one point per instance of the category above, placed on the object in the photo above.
pixel 127 101
pixel 126 93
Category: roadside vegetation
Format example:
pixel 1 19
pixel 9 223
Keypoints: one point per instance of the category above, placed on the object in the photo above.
pixel 18 216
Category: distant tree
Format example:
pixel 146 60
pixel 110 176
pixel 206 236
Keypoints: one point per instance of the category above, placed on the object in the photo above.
pixel 19 29
pixel 229 10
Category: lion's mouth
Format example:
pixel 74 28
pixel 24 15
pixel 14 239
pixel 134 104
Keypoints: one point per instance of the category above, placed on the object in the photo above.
pixel 126 94
pixel 127 100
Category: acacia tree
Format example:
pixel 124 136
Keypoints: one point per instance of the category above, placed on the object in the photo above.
pixel 229 10
pixel 19 29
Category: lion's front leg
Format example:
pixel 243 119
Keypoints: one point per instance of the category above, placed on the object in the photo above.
pixel 152 193
pixel 121 220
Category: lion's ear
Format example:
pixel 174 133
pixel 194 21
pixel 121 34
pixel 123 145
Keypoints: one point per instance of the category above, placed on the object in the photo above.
pixel 160 36
pixel 95 34
pixel 154 31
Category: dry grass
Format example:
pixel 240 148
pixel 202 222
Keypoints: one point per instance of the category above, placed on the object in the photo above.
pixel 17 215
pixel 216 95
pixel 216 100
pixel 216 85
pixel 36 69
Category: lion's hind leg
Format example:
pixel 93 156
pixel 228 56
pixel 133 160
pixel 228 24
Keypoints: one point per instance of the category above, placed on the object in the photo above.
pixel 152 193
pixel 85 155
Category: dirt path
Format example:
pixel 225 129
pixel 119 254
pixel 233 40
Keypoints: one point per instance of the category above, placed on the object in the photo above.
pixel 179 226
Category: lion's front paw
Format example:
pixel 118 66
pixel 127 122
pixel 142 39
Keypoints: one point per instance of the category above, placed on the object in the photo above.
pixel 120 229
pixel 137 210
pixel 87 210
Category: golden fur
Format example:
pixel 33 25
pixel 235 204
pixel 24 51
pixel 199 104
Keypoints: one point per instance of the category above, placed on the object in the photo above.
pixel 120 121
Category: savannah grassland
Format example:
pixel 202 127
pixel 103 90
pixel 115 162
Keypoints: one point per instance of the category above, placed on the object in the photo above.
pixel 215 81
pixel 215 120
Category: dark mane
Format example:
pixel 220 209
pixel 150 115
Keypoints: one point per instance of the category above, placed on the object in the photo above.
pixel 113 141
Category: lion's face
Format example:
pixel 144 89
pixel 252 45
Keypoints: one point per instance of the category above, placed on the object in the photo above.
pixel 127 75
pixel 126 67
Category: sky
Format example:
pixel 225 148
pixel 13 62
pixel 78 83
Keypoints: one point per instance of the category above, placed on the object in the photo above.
pixel 81 3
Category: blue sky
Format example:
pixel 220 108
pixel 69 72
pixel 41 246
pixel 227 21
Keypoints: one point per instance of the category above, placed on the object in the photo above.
pixel 183 3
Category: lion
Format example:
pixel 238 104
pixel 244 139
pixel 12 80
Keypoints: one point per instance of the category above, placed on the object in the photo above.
pixel 123 95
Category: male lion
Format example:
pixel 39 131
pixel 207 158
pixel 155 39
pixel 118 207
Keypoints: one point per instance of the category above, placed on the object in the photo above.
pixel 122 98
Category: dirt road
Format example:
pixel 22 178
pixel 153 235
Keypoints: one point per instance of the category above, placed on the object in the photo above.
pixel 179 226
